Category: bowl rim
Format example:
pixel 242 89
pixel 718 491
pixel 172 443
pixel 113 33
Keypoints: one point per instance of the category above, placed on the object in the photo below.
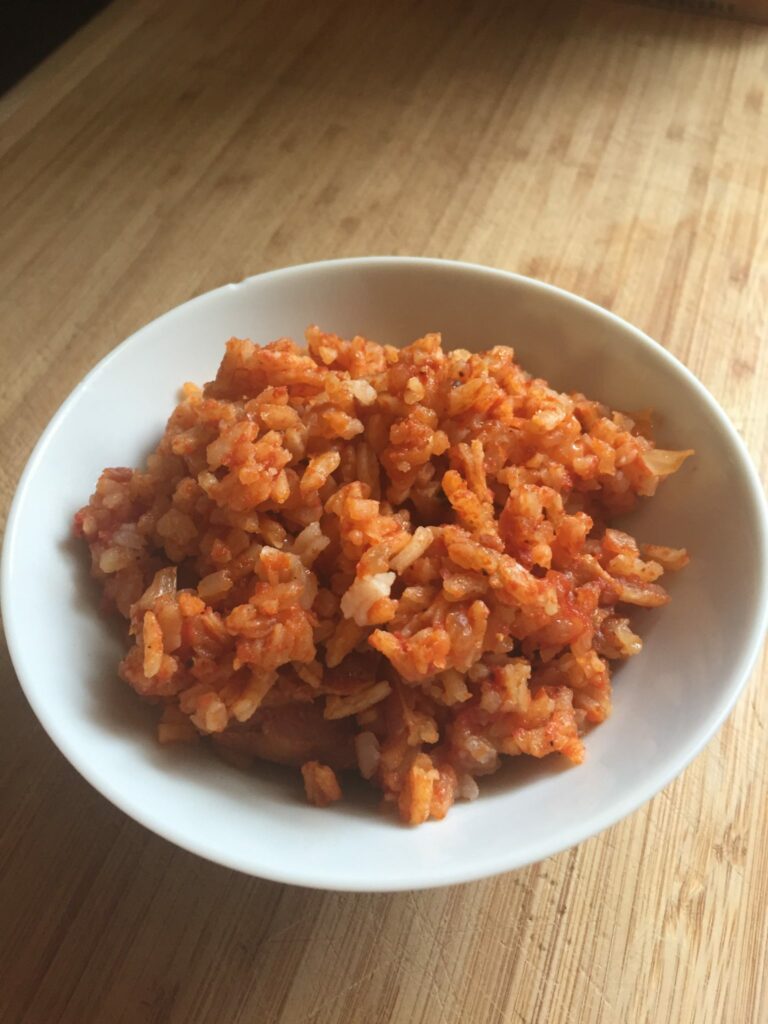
pixel 560 840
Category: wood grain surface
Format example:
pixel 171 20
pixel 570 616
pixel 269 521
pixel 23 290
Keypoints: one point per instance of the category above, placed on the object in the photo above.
pixel 169 147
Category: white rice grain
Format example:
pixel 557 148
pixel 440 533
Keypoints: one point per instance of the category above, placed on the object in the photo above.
pixel 415 548
pixel 364 592
pixel 368 753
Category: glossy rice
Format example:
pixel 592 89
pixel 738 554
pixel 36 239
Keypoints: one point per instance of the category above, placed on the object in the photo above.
pixel 396 561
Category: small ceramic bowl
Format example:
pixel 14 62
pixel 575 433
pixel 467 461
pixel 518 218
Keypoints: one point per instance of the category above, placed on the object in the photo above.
pixel 668 701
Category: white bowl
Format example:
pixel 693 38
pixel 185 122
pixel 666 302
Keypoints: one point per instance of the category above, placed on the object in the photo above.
pixel 668 702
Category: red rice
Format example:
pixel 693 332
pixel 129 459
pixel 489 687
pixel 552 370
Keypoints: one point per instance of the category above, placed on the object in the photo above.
pixel 394 560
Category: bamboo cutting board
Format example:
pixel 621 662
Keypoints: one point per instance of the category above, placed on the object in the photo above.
pixel 618 151
pixel 751 10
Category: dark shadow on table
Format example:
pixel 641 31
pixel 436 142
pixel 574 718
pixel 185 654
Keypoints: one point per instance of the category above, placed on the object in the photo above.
pixel 30 30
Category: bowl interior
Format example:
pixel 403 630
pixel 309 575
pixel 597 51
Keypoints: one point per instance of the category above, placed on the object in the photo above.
pixel 668 701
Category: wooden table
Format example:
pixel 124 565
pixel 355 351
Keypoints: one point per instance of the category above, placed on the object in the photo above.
pixel 169 147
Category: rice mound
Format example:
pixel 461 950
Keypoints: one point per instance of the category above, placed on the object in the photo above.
pixel 393 560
